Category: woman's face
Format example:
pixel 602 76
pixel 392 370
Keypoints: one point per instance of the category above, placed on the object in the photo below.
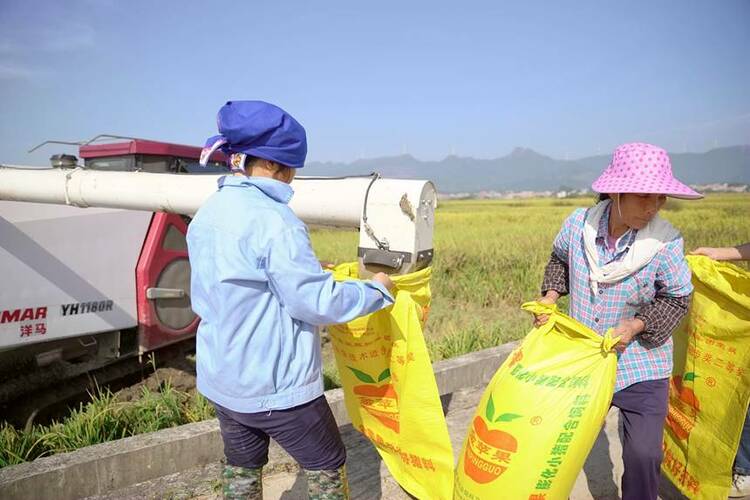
pixel 637 210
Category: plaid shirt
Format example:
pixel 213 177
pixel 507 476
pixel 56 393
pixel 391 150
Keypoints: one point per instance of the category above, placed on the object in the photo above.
pixel 658 294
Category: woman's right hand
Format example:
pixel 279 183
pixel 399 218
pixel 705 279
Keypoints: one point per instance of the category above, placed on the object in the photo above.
pixel 384 280
pixel 549 299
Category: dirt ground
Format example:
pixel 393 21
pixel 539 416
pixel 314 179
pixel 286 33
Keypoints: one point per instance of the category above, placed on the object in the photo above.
pixel 179 372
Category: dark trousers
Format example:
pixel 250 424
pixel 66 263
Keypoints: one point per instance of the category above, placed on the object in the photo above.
pixel 308 432
pixel 643 408
pixel 742 462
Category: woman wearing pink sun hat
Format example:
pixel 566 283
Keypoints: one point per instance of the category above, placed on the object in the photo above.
pixel 644 169
pixel 624 268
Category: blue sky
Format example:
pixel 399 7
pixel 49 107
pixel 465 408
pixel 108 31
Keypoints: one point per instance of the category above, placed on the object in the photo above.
pixel 366 79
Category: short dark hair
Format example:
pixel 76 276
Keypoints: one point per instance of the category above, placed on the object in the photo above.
pixel 251 161
pixel 602 197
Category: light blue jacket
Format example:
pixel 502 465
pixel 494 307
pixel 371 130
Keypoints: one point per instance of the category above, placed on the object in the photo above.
pixel 260 293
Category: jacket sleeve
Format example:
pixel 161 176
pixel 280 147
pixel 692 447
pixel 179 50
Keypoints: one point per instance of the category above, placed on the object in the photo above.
pixel 661 317
pixel 672 299
pixel 561 245
pixel 556 276
pixel 310 294
pixel 556 273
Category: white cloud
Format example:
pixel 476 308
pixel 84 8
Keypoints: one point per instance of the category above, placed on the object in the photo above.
pixel 6 47
pixel 65 38
pixel 52 38
pixel 100 3
pixel 30 54
pixel 12 72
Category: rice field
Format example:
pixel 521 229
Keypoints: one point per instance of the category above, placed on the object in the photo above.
pixel 490 257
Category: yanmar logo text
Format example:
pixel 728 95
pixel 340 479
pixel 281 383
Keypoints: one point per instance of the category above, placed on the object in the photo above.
pixel 27 314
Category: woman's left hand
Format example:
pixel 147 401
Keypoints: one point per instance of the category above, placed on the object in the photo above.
pixel 626 331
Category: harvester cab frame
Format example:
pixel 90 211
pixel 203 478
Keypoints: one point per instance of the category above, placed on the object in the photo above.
pixel 135 155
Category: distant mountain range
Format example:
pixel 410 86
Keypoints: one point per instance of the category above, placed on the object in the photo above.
pixel 525 169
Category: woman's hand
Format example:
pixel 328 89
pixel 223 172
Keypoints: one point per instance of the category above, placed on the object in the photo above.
pixel 713 253
pixel 625 332
pixel 384 280
pixel 549 299
pixel 740 252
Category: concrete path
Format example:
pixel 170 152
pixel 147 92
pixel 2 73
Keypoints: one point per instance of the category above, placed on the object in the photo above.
pixel 368 476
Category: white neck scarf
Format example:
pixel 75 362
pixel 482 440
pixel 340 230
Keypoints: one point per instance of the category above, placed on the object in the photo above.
pixel 648 242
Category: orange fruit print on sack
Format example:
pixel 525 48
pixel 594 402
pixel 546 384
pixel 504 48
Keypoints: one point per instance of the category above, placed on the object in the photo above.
pixel 380 401
pixel 683 409
pixel 489 451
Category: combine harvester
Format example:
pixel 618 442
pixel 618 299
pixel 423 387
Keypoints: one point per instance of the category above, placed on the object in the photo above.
pixel 94 266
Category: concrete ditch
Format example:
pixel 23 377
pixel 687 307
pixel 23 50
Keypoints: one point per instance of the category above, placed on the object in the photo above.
pixel 99 469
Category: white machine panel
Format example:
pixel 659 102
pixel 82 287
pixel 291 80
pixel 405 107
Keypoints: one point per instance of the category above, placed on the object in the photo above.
pixel 67 271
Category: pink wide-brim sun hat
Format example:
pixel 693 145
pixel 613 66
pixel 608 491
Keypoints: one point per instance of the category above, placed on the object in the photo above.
pixel 637 167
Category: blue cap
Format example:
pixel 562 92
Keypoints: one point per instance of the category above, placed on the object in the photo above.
pixel 259 129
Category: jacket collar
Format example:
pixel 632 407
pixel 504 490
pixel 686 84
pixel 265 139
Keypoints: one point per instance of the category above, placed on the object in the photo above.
pixel 276 190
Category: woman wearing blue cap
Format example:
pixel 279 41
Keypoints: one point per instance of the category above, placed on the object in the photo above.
pixel 261 293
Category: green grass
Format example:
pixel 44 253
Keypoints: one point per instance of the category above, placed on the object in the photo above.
pixel 103 419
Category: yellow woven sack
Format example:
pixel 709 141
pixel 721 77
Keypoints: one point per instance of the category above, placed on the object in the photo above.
pixel 710 386
pixel 540 414
pixel 390 389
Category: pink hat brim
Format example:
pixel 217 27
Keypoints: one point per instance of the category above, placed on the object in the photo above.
pixel 606 183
